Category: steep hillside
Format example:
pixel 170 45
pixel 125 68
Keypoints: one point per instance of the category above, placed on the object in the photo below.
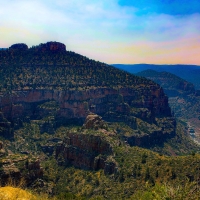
pixel 50 66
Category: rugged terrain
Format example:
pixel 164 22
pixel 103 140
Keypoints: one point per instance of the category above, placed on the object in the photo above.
pixel 73 126
pixel 55 86
pixel 183 98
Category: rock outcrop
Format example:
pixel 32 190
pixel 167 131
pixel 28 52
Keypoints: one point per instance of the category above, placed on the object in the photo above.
pixel 35 171
pixel 49 46
pixel 52 46
pixel 84 151
pixel 94 121
pixel 20 169
pixel 19 46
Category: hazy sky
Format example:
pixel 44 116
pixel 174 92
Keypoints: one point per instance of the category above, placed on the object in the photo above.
pixel 111 31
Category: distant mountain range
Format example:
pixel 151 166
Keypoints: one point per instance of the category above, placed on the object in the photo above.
pixel 190 73
pixel 172 84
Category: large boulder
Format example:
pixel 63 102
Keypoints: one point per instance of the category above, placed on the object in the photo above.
pixel 94 121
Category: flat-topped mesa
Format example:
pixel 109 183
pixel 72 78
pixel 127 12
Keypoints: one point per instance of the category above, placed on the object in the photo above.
pixel 52 46
pixel 18 46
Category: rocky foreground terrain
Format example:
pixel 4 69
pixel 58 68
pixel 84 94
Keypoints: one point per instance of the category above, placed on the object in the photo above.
pixel 72 125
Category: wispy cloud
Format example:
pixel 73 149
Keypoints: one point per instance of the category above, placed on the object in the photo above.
pixel 109 32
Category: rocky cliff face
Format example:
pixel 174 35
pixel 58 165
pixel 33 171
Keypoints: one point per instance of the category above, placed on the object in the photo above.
pixel 85 152
pixel 111 104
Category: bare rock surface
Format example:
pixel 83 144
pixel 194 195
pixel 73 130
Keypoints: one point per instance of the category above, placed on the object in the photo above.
pixel 94 121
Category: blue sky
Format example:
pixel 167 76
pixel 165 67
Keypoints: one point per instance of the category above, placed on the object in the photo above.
pixel 170 7
pixel 124 31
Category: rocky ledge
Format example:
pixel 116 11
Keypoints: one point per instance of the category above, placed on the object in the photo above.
pixel 52 46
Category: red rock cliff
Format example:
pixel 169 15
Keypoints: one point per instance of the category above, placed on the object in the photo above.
pixel 76 104
pixel 86 152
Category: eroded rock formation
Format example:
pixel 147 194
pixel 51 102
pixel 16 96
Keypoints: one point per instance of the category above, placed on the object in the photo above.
pixel 86 152
pixel 52 46
pixel 94 121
